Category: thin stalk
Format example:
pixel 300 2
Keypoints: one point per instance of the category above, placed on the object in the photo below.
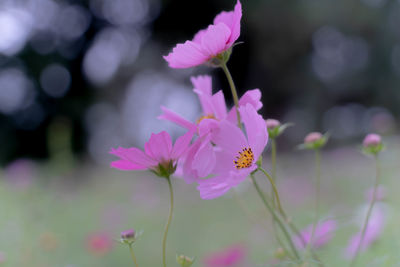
pixel 133 255
pixel 233 91
pixel 171 210
pixel 371 205
pixel 317 197
pixel 276 217
pixel 275 190
pixel 273 164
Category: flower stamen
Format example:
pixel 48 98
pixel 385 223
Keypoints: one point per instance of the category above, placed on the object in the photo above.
pixel 209 116
pixel 245 158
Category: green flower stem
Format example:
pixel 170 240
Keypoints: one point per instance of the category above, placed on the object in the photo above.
pixel 233 90
pixel 317 197
pixel 371 205
pixel 133 255
pixel 276 217
pixel 171 210
pixel 273 164
pixel 275 190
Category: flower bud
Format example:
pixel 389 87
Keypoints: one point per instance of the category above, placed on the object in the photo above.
pixel 372 144
pixel 272 123
pixel 128 236
pixel 372 140
pixel 314 140
pixel 184 261
pixel 312 137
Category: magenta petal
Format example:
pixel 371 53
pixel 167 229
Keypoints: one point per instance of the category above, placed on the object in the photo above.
pixel 229 138
pixel 213 187
pixel 232 20
pixel 256 129
pixel 252 97
pixel 203 88
pixel 215 39
pixel 186 55
pixel 176 118
pixel 182 143
pixel 219 106
pixel 159 147
pixel 126 165
pixel 204 159
pixel 134 155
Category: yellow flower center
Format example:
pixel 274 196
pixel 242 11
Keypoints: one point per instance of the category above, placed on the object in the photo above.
pixel 245 158
pixel 209 116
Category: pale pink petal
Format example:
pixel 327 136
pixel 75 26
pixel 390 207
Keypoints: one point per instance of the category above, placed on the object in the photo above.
pixel 323 234
pixel 215 39
pixel 203 88
pixel 204 159
pixel 182 143
pixel 169 115
pixel 134 155
pixel 256 129
pixel 126 165
pixel 232 20
pixel 186 55
pixel 159 147
pixel 229 137
pixel 252 97
pixel 213 187
pixel 207 126
pixel 219 105
pixel 229 257
pixel 199 36
pixel 189 174
pixel 372 233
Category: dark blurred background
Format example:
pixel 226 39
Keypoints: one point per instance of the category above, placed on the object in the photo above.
pixel 80 77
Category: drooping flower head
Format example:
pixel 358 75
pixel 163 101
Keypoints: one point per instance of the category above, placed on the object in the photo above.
pixel 323 234
pixel 159 155
pixel 236 153
pixel 213 105
pixel 208 43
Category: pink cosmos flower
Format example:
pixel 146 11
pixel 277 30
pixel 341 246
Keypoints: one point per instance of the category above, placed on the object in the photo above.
pixel 236 155
pixel 158 153
pixel 208 43
pixel 373 231
pixel 213 105
pixel 99 243
pixel 323 234
pixel 229 257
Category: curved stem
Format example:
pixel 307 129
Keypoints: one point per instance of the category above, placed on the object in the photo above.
pixel 371 205
pixel 171 210
pixel 133 255
pixel 276 217
pixel 233 91
pixel 317 197
pixel 275 190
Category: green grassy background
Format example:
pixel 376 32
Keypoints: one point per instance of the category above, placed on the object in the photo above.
pixel 70 201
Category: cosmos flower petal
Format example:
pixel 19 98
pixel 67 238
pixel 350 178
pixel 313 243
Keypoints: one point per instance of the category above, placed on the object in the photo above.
pixel 182 143
pixel 252 97
pixel 169 115
pixel 219 106
pixel 203 89
pixel 215 39
pixel 256 129
pixel 232 20
pixel 127 165
pixel 159 146
pixel 135 156
pixel 186 55
pixel 229 137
